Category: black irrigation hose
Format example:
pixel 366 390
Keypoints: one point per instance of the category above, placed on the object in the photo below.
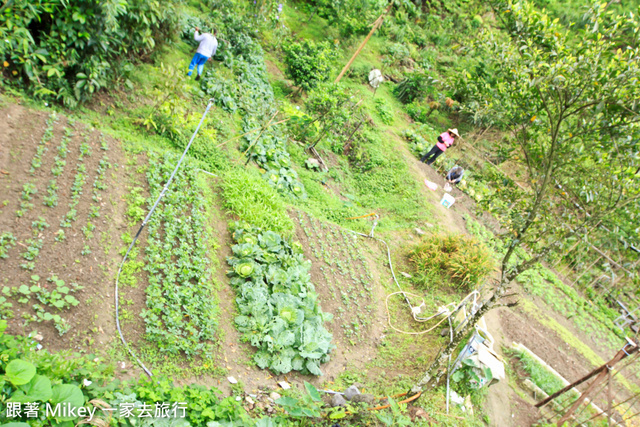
pixel 145 222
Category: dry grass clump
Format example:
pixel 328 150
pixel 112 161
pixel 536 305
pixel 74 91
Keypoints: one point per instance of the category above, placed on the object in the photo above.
pixel 456 259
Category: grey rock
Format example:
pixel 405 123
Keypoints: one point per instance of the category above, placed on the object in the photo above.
pixel 275 396
pixel 232 380
pixel 419 231
pixel 338 400
pixel 350 392
pixel 313 162
pixel 367 398
pixel 407 275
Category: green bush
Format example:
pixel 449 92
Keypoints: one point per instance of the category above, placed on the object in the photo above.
pixel 308 63
pixel 66 51
pixel 415 86
pixel 454 258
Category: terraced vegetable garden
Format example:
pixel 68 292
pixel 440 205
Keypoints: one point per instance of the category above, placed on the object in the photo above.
pixel 247 280
pixel 56 234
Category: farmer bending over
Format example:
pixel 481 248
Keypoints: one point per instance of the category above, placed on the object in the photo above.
pixel 455 175
pixel 206 49
pixel 446 139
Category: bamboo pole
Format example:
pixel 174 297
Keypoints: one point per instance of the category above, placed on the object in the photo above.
pixel 609 398
pixel 376 25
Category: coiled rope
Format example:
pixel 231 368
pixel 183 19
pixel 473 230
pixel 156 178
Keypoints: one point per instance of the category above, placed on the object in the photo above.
pixel 442 311
pixel 145 222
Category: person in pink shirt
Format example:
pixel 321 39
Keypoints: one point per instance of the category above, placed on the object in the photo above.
pixel 445 140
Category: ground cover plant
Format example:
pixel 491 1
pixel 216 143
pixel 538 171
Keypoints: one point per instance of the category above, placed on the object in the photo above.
pixel 429 55
pixel 41 377
pixel 254 201
pixel 279 309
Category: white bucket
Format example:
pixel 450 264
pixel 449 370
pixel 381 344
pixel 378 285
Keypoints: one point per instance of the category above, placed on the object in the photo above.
pixel 447 200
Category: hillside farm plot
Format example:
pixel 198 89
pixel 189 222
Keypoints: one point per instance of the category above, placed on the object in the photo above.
pixel 168 304
pixel 347 278
pixel 59 212
pixel 349 281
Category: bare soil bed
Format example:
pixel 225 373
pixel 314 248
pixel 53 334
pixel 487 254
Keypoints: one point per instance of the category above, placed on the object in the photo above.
pixel 85 254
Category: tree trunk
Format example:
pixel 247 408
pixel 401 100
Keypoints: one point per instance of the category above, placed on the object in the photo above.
pixel 438 367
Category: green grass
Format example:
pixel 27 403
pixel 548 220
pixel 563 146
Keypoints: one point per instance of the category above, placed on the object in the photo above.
pixel 387 186
pixel 542 377
pixel 251 198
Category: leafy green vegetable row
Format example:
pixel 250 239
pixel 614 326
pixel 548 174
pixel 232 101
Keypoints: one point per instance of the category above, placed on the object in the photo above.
pixel 270 153
pixel 251 93
pixel 278 305
pixel 180 314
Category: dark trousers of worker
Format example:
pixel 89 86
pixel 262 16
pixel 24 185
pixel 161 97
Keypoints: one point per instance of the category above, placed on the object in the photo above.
pixel 432 155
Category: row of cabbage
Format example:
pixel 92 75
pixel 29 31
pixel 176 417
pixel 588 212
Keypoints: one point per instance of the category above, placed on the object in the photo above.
pixel 278 305
pixel 249 93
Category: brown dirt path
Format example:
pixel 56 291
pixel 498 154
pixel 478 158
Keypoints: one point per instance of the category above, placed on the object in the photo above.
pixel 504 406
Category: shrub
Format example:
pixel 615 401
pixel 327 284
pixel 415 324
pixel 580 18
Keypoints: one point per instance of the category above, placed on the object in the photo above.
pixel 414 87
pixel 455 258
pixel 69 50
pixel 397 54
pixel 308 63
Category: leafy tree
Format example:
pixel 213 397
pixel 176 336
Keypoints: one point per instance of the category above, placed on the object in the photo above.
pixel 308 63
pixel 570 106
pixel 350 16
pixel 69 50
pixel 337 115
